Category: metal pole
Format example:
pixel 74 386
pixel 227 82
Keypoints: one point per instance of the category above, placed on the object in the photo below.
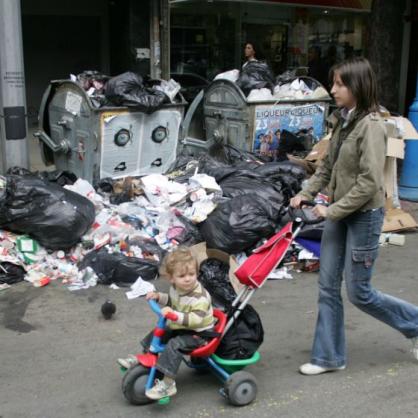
pixel 14 148
pixel 155 40
pixel 165 39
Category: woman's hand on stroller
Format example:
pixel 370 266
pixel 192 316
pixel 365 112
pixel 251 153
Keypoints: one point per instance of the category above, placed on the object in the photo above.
pixel 307 211
pixel 296 201
pixel 320 211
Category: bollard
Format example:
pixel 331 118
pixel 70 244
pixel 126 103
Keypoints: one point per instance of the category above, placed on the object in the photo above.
pixel 408 184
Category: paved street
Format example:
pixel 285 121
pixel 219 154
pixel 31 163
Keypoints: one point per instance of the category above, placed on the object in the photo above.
pixel 58 354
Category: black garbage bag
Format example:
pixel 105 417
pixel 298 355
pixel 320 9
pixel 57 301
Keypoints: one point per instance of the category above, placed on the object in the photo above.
pixel 214 276
pixel 218 170
pixel 11 273
pixel 149 247
pixel 255 75
pixel 191 234
pixel 128 89
pixel 20 171
pixel 244 182
pixel 289 144
pixel 53 216
pixel 280 168
pixel 60 177
pixel 244 337
pixel 237 224
pixel 118 268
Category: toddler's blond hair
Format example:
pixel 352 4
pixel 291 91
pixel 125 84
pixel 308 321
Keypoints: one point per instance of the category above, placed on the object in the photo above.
pixel 179 261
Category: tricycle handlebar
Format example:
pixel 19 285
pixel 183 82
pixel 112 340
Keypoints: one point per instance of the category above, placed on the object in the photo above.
pixel 156 308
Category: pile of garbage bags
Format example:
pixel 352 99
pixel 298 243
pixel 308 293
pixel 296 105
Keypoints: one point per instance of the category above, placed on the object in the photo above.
pixel 118 231
pixel 258 84
pixel 127 89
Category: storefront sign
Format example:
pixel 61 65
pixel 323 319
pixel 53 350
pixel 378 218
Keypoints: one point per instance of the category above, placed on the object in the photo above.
pixel 272 123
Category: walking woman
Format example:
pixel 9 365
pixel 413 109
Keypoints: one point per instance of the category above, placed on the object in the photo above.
pixel 353 172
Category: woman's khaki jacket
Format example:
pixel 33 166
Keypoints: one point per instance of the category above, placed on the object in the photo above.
pixel 353 167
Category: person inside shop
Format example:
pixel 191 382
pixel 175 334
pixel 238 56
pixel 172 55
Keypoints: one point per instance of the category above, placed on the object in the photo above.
pixel 251 53
pixel 316 65
pixel 353 172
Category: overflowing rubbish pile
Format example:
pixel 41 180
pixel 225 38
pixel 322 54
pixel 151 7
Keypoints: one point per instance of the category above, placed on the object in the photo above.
pixel 127 89
pixel 56 227
pixel 258 84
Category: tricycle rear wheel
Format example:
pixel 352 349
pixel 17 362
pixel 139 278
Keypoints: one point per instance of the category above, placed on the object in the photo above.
pixel 241 388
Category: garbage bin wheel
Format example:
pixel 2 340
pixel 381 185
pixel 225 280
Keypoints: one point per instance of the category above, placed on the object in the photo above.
pixel 47 155
pixel 133 385
pixel 241 388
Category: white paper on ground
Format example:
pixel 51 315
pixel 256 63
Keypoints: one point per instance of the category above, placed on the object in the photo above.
pixel 279 274
pixel 140 288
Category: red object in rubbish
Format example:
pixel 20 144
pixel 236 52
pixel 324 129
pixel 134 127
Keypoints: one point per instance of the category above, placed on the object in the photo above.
pixel 256 268
pixel 43 281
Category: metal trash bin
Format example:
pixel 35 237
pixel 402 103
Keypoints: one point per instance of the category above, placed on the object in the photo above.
pixel 230 118
pixel 115 142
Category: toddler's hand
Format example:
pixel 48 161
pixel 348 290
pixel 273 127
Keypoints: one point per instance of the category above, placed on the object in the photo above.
pixel 152 296
pixel 166 310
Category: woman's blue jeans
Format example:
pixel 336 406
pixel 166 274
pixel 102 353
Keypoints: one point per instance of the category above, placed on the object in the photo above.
pixel 350 246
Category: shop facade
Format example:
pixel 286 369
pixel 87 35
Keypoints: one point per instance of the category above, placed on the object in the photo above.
pixel 208 37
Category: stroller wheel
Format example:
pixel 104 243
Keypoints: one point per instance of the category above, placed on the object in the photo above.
pixel 133 385
pixel 241 388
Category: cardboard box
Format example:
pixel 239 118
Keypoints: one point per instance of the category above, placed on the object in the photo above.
pixel 397 220
pixel 201 252
pixel 408 130
pixel 398 129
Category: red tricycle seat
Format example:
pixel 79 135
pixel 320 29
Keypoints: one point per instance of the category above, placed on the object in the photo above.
pixel 212 345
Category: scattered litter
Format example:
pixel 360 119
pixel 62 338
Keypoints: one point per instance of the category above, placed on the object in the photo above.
pixel 280 273
pixel 392 238
pixel 84 279
pixel 140 288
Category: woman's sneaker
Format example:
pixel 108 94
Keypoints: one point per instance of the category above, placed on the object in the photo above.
pixel 310 369
pixel 128 362
pixel 161 390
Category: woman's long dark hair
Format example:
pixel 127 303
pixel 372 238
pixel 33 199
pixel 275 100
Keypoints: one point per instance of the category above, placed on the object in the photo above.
pixel 358 76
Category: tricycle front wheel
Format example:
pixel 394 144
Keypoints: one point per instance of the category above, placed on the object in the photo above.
pixel 133 385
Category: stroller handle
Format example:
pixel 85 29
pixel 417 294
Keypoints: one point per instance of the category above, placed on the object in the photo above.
pixel 303 214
